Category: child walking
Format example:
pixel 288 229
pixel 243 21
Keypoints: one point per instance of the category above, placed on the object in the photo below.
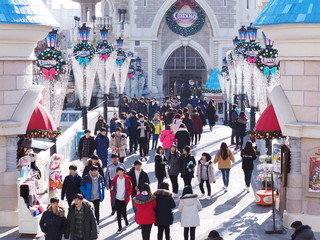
pixel 205 173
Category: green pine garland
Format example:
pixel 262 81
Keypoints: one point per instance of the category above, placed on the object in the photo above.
pixel 186 31
pixel 205 90
pixel 265 135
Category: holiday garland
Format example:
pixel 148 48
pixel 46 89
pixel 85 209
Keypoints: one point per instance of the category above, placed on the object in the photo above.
pixel 273 66
pixel 265 135
pixel 43 134
pixel 83 52
pixel 104 49
pixel 205 90
pixel 121 57
pixel 186 31
pixel 49 61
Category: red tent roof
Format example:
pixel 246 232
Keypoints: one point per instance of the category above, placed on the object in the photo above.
pixel 267 125
pixel 41 120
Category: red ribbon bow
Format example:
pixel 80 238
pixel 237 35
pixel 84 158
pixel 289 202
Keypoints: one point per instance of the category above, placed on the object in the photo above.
pixel 181 4
pixel 104 57
pixel 252 59
pixel 49 73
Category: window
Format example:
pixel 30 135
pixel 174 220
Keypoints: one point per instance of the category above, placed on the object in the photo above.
pixel 137 43
pixel 224 3
pixel 144 3
pixel 248 4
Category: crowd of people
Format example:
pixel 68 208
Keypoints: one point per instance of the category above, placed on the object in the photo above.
pixel 143 124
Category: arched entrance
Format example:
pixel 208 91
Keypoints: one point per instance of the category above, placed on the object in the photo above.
pixel 184 73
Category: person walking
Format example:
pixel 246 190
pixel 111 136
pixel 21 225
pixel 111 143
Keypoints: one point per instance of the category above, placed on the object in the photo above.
pixel 81 223
pixel 142 107
pixel 160 162
pixel 167 138
pixel 138 178
pixel 101 123
pixel 111 172
pixel 205 173
pixel 157 126
pixel 182 137
pixel 102 143
pixel 248 155
pixel 113 123
pixel 71 184
pixel 132 127
pixel 224 157
pixel 93 161
pixel 189 124
pixel 92 187
pixel 53 221
pixel 211 114
pixel 142 132
pixel 120 192
pixel 164 215
pixel 233 116
pixel 145 204
pixel 153 107
pixel 197 127
pixel 118 144
pixel 87 145
pixel 176 122
pixel 187 165
pixel 189 206
pixel 241 130
pixel 174 169
pixel 301 232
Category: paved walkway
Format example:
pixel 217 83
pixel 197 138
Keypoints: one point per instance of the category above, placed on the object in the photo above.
pixel 234 214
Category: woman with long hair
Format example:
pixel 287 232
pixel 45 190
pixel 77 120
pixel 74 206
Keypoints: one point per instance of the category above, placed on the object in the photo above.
pixel 224 157
pixel 187 165
pixel 248 155
pixel 205 173
pixel 211 114
pixel 160 162
pixel 189 206
pixel 174 169
pixel 101 123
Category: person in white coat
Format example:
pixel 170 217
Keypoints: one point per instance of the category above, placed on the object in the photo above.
pixel 189 207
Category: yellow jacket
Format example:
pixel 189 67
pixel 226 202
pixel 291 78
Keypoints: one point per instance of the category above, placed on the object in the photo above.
pixel 224 164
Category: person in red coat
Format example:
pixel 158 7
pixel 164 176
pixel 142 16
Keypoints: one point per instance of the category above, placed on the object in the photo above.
pixel 197 126
pixel 120 192
pixel 145 203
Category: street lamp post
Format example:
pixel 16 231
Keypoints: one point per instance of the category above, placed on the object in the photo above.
pixel 243 36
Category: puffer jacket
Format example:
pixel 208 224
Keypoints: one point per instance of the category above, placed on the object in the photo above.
pixel 53 225
pixel 187 165
pixel 189 207
pixel 145 205
pixel 209 168
pixel 303 232
pixel 86 187
pixel 176 124
pixel 113 189
pixel 157 126
pixel 165 204
pixel 174 164
pixel 123 144
pixel 167 138
pixel 102 143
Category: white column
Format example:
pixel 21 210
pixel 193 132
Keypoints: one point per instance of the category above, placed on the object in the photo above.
pixel 295 150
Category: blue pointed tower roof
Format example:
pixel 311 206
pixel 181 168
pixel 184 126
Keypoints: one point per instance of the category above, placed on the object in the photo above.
pixel 26 12
pixel 289 12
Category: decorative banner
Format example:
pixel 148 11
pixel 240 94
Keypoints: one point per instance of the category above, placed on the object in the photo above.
pixel 120 75
pixel 49 61
pixel 175 18
pixel 84 76
pixel 105 72
pixel 267 61
pixel 104 49
pixel 83 53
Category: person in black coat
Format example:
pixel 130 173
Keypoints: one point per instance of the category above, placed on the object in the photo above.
pixel 101 123
pixel 142 134
pixel 153 108
pixel 301 232
pixel 143 177
pixel 164 215
pixel 187 165
pixel 133 141
pixel 71 184
pixel 211 114
pixel 160 162
pixel 94 160
pixel 53 221
pixel 87 145
pixel 142 107
pixel 241 130
pixel 183 137
pixel 248 155
pixel 189 124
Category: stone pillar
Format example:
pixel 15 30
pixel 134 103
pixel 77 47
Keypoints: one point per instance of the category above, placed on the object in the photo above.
pixel 295 150
pixel 84 12
pixel 153 87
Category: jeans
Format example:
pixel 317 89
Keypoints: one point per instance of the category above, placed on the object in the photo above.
pixel 239 141
pixel 96 204
pixel 146 231
pixel 225 176
pixel 208 186
pixel 192 233
pixel 174 182
pixel 121 208
pixel 166 229
pixel 133 143
pixel 167 153
pixel 143 146
pixel 155 138
pixel 233 134
pixel 247 176
pixel 187 180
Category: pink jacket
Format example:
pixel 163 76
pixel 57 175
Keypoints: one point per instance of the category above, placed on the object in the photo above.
pixel 167 138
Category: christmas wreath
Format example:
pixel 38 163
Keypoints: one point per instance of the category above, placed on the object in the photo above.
pixel 186 31
pixel 250 51
pixel 121 57
pixel 49 61
pixel 104 49
pixel 43 134
pixel 267 61
pixel 265 135
pixel 83 52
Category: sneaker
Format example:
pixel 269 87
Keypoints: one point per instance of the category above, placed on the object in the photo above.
pixel 236 148
pixel 201 195
pixel 248 189
pixel 127 223
pixel 174 195
pixel 208 197
pixel 119 230
pixel 226 189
